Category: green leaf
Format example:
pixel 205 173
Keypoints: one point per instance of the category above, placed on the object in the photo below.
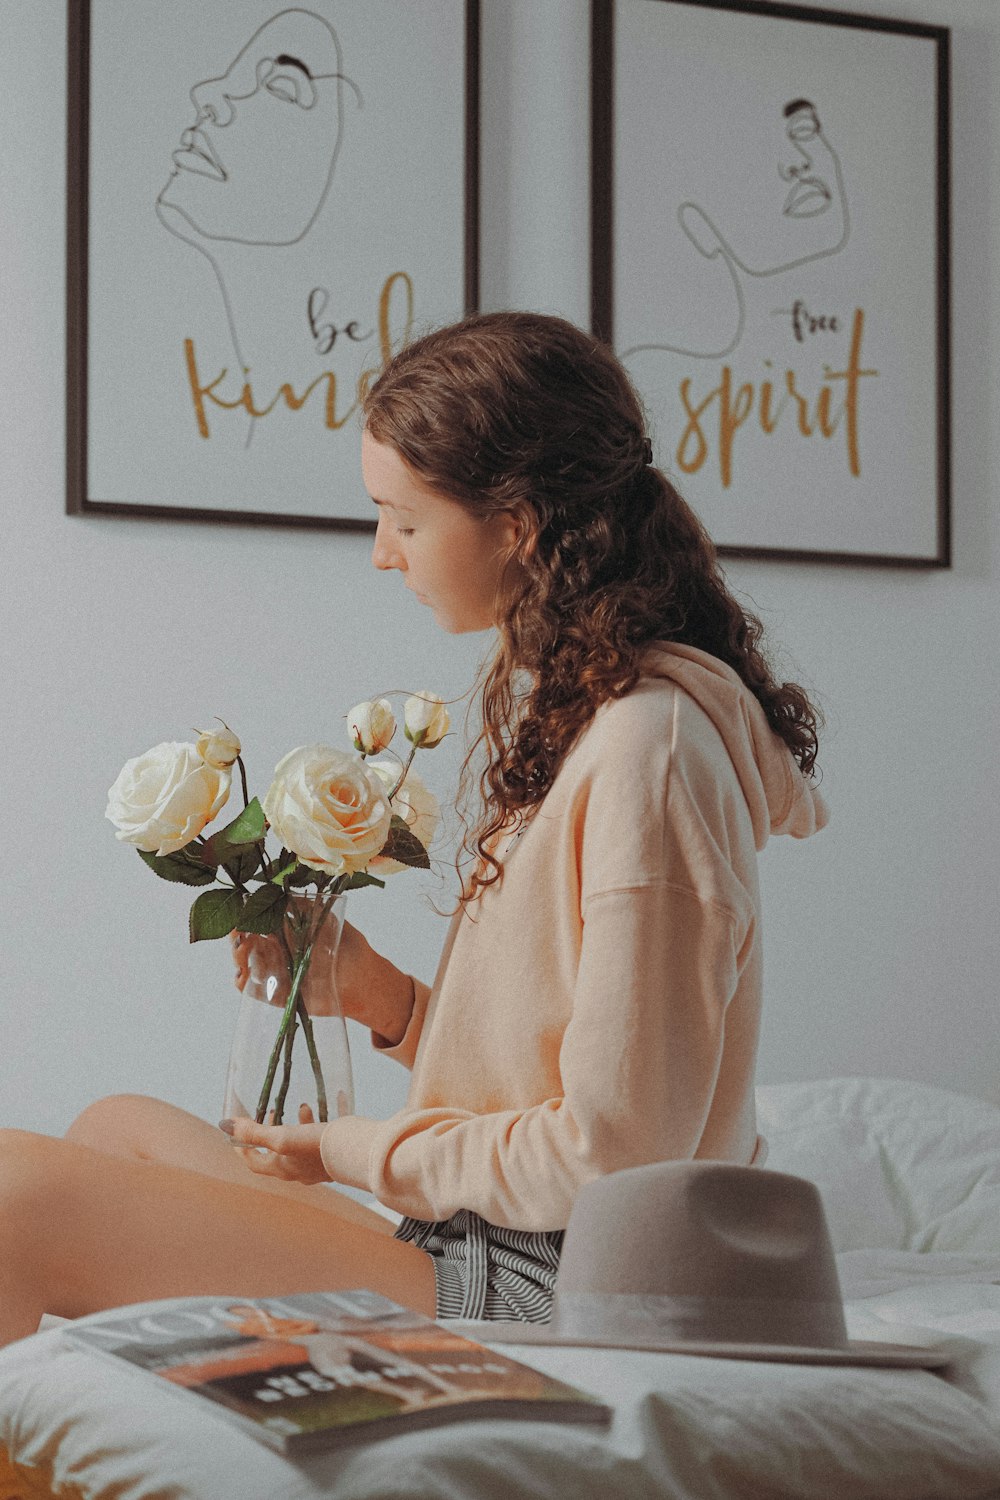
pixel 183 867
pixel 264 910
pixel 404 846
pixel 215 914
pixel 302 876
pixel 285 870
pixel 243 867
pixel 247 828
pixel 359 879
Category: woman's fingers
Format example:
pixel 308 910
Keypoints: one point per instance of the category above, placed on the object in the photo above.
pixel 261 963
pixel 291 1152
pixel 261 967
pixel 240 959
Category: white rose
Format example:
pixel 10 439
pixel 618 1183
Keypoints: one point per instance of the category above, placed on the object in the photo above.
pixel 328 808
pixel 163 799
pixel 415 803
pixel 372 725
pixel 218 747
pixel 426 720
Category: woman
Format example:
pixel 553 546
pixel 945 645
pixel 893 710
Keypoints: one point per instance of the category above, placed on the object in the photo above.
pixel 598 999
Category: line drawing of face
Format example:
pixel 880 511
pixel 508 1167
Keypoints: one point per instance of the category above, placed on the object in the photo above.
pixel 809 221
pixel 810 194
pixel 806 219
pixel 256 165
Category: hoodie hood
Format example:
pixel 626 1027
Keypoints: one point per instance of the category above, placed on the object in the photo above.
pixel 780 798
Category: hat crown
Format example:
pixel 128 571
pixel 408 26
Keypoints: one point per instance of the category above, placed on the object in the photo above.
pixel 718 1252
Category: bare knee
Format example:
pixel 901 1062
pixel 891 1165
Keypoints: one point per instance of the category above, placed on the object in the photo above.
pixel 120 1125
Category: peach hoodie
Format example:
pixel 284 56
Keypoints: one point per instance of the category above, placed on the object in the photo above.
pixel 600 1009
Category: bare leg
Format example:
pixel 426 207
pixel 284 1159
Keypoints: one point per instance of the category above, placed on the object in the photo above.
pixel 140 1128
pixel 81 1230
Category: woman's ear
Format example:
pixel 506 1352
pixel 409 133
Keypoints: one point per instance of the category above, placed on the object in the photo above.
pixel 521 535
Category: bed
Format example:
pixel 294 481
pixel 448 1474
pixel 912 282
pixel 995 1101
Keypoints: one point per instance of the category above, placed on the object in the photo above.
pixel 910 1177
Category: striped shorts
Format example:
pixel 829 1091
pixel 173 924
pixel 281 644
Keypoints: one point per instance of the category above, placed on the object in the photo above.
pixel 484 1271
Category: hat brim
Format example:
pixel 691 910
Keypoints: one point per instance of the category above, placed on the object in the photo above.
pixel 855 1352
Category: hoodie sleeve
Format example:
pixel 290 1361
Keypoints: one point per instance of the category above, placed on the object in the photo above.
pixel 638 1061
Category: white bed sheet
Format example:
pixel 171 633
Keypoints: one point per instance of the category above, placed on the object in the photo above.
pixel 911 1180
pixel 683 1427
pixel 900 1165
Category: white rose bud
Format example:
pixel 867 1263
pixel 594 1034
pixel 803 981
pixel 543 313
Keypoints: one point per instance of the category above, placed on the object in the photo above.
pixel 218 747
pixel 328 808
pixel 372 725
pixel 415 803
pixel 163 799
pixel 426 720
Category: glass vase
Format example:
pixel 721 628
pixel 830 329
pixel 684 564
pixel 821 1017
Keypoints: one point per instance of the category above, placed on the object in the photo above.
pixel 290 1045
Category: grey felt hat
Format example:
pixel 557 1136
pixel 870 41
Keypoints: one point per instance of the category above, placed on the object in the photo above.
pixel 705 1258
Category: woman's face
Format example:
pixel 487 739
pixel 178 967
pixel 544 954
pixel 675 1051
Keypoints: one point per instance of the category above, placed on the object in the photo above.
pixel 256 163
pixel 449 558
pixel 800 212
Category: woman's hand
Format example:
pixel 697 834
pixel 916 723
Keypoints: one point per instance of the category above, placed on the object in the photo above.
pixel 290 1152
pixel 371 989
pixel 262 973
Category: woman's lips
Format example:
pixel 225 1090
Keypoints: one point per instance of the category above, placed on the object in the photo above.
pixel 197 155
pixel 808 197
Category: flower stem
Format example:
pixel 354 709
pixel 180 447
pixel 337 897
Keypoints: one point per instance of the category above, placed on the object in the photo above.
pixel 295 1007
pixel 402 774
pixel 265 864
pixel 322 1108
pixel 287 1017
pixel 279 1103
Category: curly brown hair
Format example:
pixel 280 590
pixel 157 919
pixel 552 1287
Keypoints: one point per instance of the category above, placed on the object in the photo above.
pixel 524 414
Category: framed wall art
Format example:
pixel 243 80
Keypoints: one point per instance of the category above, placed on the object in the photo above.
pixel 771 261
pixel 263 202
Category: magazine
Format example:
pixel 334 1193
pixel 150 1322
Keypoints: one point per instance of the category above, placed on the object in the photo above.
pixel 316 1370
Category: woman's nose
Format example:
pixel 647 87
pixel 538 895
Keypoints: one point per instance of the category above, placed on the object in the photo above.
pixel 383 555
pixel 211 101
pixel 795 165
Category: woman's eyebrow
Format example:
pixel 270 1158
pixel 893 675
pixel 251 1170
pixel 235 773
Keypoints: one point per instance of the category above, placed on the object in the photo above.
pixel 391 505
pixel 286 57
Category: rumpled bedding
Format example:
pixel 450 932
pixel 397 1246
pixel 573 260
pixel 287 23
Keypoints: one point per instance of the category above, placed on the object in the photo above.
pixel 911 1181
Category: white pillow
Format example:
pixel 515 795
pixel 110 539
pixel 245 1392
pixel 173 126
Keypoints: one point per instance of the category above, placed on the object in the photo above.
pixel 683 1427
pixel 900 1165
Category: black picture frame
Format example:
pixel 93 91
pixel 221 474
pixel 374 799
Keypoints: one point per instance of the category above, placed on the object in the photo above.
pixel 612 242
pixel 81 500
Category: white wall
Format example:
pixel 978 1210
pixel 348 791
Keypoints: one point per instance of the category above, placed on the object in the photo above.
pixel 883 947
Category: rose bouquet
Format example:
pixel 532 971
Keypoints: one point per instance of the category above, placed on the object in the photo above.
pixel 342 820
